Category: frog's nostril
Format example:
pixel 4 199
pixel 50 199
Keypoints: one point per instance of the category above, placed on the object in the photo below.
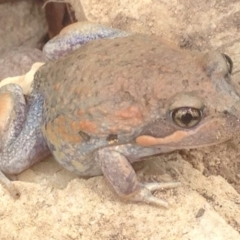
pixel 225 112
pixel 232 112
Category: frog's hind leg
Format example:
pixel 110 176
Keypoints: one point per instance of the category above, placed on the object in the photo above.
pixel 77 34
pixel 12 116
pixel 15 153
pixel 122 177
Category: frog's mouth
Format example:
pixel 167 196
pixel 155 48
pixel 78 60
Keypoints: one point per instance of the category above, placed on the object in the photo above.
pixel 211 132
pixel 174 141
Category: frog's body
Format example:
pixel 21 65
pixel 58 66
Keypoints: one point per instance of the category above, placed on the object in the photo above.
pixel 114 101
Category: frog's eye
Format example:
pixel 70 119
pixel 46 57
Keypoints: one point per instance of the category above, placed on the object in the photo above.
pixel 229 62
pixel 186 117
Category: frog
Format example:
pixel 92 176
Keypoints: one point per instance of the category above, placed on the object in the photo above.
pixel 114 100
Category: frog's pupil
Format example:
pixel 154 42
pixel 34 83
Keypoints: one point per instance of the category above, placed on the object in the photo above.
pixel 186 118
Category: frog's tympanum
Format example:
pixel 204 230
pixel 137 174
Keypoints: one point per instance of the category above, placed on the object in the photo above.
pixel 114 101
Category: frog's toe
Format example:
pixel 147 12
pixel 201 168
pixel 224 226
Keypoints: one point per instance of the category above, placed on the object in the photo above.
pixel 9 185
pixel 158 186
pixel 144 194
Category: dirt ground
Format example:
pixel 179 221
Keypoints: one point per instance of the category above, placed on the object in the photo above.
pixel 55 204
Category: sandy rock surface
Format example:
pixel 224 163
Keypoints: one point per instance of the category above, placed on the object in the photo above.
pixel 55 204
pixel 22 24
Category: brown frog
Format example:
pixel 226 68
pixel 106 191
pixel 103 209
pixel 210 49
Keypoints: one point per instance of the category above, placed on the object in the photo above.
pixel 113 102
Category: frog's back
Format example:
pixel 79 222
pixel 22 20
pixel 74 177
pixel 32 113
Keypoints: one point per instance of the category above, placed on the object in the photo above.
pixel 117 85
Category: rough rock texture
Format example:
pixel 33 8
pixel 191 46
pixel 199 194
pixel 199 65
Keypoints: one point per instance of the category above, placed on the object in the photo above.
pixel 55 204
pixel 22 24
pixel 22 59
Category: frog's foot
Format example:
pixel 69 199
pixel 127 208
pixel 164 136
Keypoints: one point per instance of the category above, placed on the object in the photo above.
pixel 123 179
pixel 77 34
pixel 144 194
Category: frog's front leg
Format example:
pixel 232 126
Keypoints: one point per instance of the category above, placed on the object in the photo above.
pixel 22 144
pixel 122 177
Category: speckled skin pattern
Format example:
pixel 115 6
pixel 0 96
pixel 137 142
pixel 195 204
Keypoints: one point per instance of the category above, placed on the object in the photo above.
pixel 23 143
pixel 109 103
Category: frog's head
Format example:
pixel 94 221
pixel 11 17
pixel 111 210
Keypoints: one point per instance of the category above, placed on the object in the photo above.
pixel 207 113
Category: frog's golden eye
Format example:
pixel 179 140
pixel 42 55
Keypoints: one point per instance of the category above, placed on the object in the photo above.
pixel 229 62
pixel 186 117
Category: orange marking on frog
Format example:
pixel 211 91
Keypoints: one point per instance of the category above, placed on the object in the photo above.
pixel 79 112
pixel 57 86
pixel 62 129
pixel 129 117
pixel 6 105
pixel 88 126
pixel 146 141
pixel 129 112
